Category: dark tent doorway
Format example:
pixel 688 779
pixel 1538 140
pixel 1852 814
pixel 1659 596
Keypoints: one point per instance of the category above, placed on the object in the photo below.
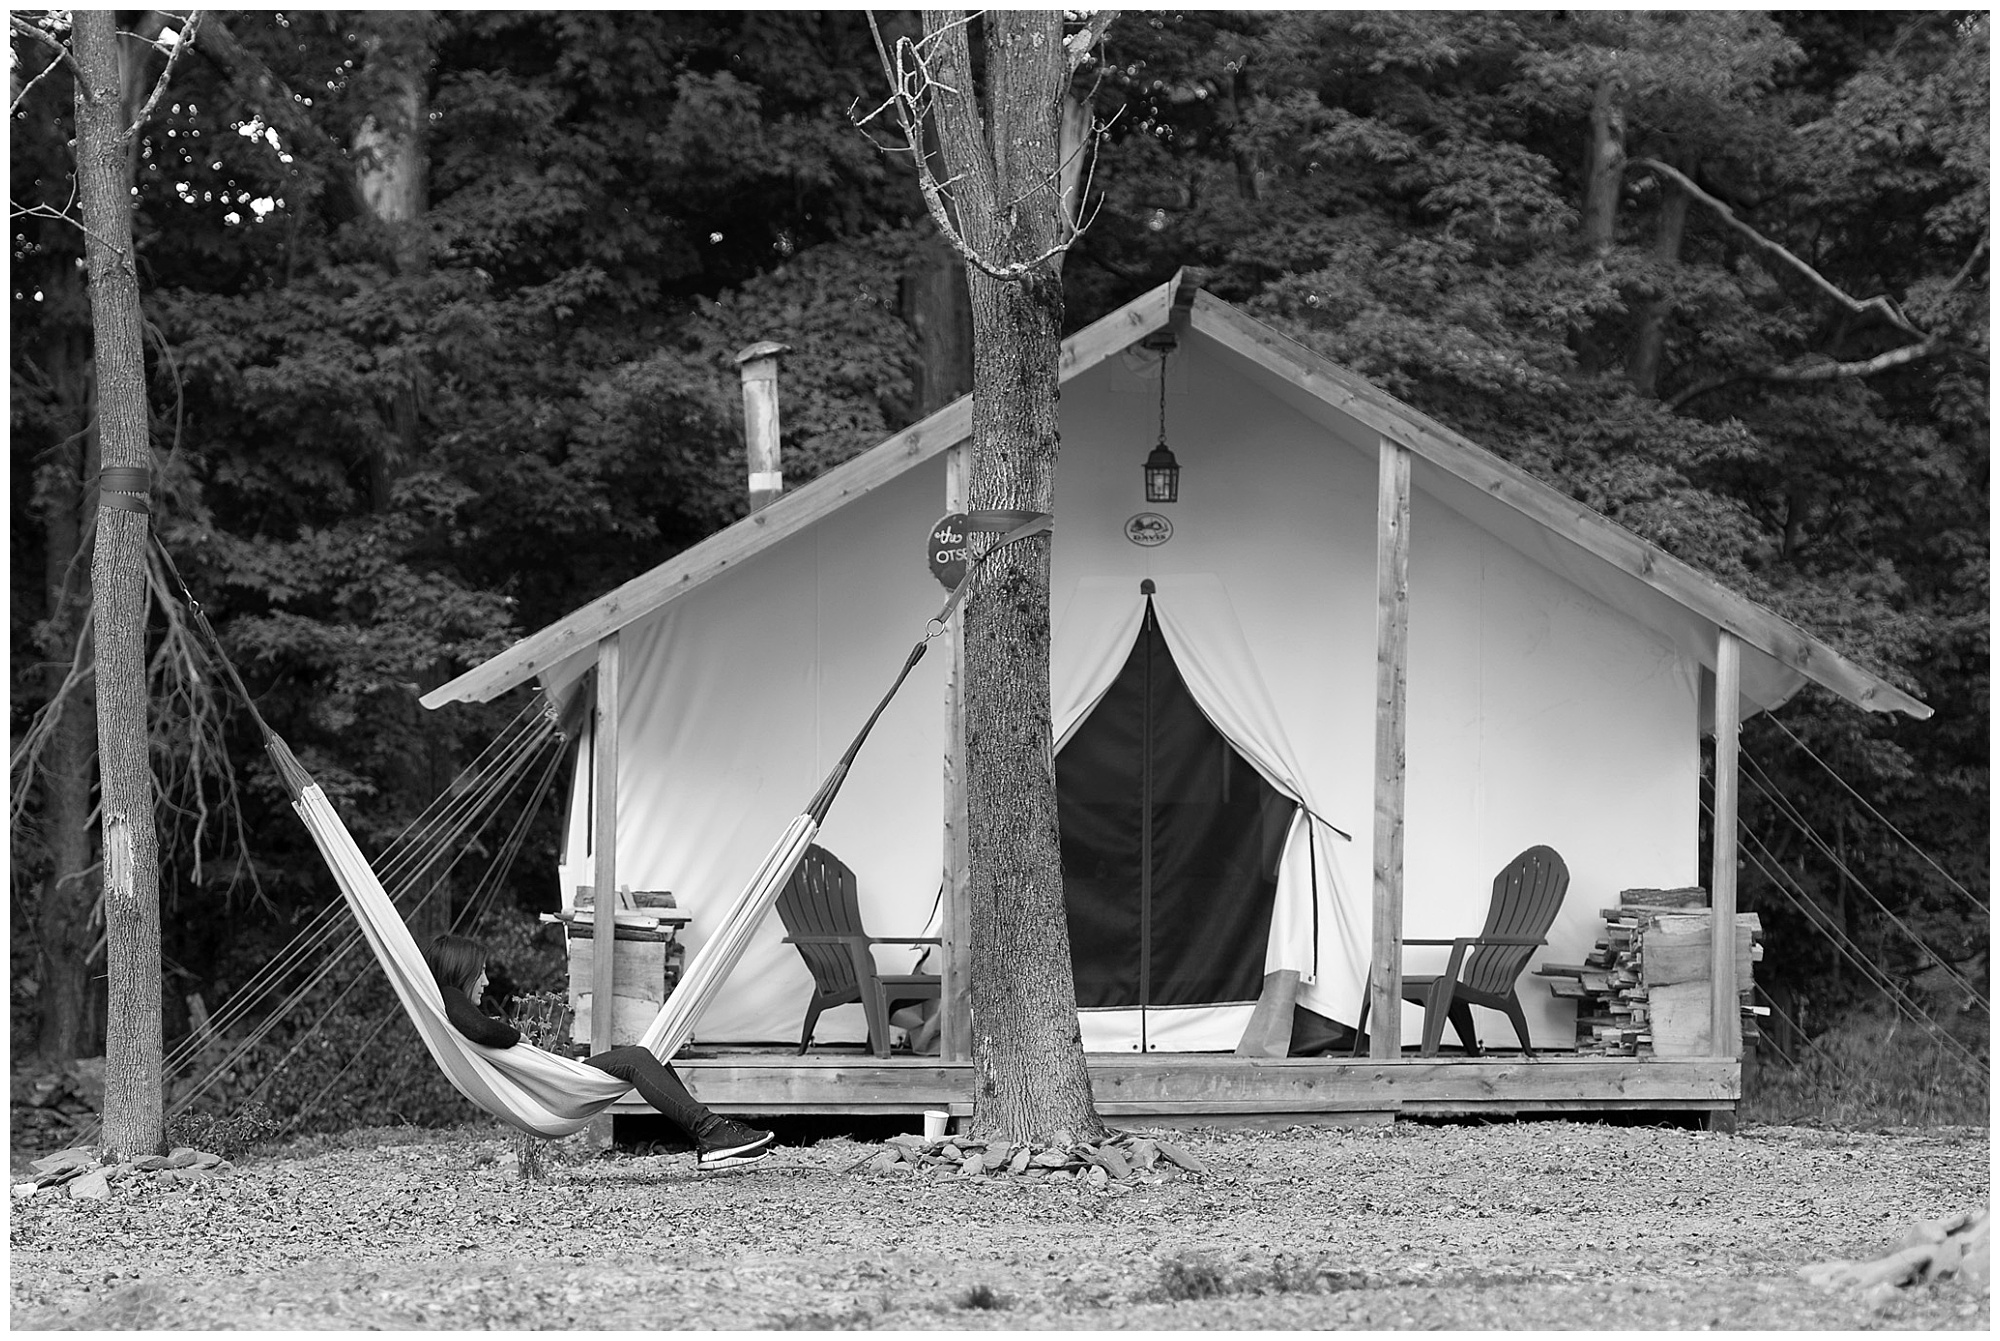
pixel 1170 846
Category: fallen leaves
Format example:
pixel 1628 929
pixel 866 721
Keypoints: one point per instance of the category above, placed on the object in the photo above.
pixel 1457 1226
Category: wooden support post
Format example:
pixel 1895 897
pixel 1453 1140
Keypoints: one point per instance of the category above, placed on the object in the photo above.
pixel 1725 1019
pixel 955 1000
pixel 759 366
pixel 1392 636
pixel 604 843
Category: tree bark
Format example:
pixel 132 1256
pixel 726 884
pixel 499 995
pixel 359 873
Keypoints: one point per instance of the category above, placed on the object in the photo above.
pixel 133 1117
pixel 392 174
pixel 1603 166
pixel 1030 1079
pixel 1650 341
pixel 392 177
pixel 69 889
pixel 938 312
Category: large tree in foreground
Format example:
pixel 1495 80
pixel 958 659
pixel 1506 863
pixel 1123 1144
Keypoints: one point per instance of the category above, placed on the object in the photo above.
pixel 1002 205
pixel 133 1118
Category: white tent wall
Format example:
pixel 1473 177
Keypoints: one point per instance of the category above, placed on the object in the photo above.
pixel 737 700
pixel 1538 713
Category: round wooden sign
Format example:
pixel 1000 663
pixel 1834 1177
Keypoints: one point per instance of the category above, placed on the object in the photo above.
pixel 947 550
pixel 1148 529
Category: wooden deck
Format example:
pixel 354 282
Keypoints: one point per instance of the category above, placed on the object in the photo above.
pixel 1189 1086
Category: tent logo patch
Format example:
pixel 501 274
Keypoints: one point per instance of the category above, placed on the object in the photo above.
pixel 1148 529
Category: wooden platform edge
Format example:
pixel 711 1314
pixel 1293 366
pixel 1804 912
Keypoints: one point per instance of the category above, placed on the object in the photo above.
pixel 1223 1087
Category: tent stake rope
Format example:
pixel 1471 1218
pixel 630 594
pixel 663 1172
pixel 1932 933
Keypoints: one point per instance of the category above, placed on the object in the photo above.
pixel 1907 840
pixel 1819 919
pixel 1762 782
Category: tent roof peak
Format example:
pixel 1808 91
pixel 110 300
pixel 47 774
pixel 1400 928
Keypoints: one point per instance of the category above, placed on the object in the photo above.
pixel 1183 306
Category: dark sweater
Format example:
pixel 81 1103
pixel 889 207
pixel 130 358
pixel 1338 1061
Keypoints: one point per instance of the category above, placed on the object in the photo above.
pixel 467 1019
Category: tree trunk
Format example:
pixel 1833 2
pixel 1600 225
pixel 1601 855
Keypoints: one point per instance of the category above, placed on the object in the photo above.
pixel 1603 167
pixel 133 1119
pixel 1242 152
pixel 938 311
pixel 1603 175
pixel 69 890
pixel 392 173
pixel 392 177
pixel 1650 341
pixel 1030 1080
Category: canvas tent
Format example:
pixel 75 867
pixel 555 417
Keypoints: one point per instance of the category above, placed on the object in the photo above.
pixel 1556 672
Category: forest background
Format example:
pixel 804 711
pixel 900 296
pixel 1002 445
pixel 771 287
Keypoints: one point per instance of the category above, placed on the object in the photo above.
pixel 441 310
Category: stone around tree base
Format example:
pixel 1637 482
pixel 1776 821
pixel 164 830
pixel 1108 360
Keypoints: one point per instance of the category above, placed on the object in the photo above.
pixel 85 1173
pixel 1121 1158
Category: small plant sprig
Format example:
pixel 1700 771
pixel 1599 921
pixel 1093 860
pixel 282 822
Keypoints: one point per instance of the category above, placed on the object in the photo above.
pixel 543 1019
pixel 228 1136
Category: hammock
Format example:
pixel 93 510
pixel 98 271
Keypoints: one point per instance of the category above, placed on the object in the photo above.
pixel 535 1091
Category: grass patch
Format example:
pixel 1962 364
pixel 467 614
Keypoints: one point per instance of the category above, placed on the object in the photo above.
pixel 1876 1071
pixel 982 1296
pixel 1201 1276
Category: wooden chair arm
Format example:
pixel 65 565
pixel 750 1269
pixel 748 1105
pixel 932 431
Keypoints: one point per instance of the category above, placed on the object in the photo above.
pixel 1483 940
pixel 865 940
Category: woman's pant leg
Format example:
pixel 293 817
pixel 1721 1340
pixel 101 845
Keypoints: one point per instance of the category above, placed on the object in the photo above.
pixel 657 1084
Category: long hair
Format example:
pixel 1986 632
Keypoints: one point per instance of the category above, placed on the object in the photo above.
pixel 456 961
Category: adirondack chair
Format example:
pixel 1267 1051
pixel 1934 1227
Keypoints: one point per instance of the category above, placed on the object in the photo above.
pixel 1483 968
pixel 823 918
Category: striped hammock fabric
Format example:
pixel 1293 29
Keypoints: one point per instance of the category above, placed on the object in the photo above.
pixel 523 1086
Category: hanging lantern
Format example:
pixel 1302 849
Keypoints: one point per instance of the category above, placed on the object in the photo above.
pixel 1163 473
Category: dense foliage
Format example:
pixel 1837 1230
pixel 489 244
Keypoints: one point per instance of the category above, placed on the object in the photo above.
pixel 389 447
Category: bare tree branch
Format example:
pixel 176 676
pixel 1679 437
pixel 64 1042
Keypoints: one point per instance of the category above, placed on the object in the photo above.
pixel 60 216
pixel 1814 370
pixel 1083 40
pixel 25 760
pixel 23 28
pixel 181 45
pixel 1880 306
pixel 1965 270
pixel 28 87
pixel 912 94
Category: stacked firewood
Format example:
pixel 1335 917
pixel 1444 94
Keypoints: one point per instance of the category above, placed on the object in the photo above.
pixel 1644 989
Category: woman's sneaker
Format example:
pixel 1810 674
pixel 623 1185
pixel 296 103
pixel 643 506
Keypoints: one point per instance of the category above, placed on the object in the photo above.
pixel 728 1144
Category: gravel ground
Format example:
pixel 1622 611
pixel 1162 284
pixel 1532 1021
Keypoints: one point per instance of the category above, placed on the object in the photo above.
pixel 1543 1225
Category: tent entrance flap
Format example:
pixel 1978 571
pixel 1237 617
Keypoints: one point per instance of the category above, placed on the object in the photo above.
pixel 1171 843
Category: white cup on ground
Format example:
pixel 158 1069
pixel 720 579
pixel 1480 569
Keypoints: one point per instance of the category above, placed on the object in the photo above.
pixel 934 1125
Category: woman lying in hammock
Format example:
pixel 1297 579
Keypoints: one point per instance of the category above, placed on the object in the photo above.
pixel 459 965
